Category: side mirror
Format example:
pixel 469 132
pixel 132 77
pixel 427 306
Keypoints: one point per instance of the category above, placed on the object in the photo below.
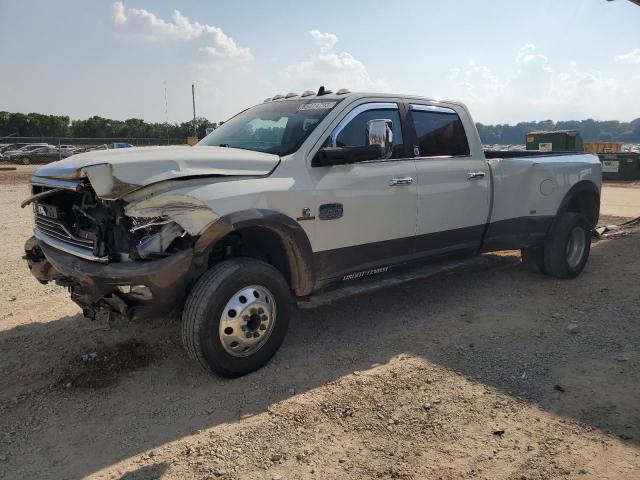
pixel 380 132
pixel 329 156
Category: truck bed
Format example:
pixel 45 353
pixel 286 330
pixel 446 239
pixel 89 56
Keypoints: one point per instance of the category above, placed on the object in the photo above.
pixel 526 153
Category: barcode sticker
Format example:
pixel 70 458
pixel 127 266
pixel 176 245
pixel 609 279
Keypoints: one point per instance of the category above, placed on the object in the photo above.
pixel 317 106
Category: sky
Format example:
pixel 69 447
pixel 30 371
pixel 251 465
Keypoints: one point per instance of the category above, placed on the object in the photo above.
pixel 509 60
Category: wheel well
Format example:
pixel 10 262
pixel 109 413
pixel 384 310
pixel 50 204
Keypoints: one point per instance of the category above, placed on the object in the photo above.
pixel 254 242
pixel 586 202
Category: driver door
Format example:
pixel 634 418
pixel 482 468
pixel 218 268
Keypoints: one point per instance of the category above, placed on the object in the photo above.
pixel 377 199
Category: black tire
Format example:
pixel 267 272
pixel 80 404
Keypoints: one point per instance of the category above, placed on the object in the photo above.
pixel 533 258
pixel 203 312
pixel 560 258
pixel 25 160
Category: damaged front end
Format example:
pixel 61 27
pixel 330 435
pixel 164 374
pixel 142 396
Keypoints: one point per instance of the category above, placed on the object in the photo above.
pixel 118 257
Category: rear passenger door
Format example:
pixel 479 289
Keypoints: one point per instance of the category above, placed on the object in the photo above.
pixel 453 181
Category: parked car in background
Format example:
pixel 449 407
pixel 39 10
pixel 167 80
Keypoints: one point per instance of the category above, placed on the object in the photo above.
pixel 39 154
pixel 121 145
pixel 19 147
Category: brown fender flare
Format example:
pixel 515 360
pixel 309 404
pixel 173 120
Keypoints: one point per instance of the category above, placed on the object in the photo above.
pixel 293 238
pixel 582 187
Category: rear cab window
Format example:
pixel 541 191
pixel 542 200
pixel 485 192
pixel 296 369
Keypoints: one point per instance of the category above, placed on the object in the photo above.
pixel 439 132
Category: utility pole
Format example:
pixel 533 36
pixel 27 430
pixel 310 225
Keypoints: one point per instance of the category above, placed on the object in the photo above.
pixel 166 111
pixel 193 99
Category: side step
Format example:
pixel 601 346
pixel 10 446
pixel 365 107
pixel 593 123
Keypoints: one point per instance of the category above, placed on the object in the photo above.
pixel 368 286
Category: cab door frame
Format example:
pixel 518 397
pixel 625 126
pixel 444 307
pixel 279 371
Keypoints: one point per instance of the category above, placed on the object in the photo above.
pixel 375 232
pixel 454 192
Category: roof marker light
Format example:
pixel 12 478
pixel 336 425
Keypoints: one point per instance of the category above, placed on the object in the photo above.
pixel 291 95
pixel 307 93
pixel 343 91
pixel 277 97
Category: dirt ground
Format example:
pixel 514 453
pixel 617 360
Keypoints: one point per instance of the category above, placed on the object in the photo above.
pixel 497 374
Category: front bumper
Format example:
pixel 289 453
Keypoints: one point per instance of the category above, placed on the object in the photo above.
pixel 94 286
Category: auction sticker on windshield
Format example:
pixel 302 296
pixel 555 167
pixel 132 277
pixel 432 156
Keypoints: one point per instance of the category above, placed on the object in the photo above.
pixel 317 106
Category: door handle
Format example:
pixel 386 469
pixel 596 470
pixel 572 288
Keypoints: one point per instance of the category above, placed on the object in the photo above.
pixel 475 175
pixel 396 182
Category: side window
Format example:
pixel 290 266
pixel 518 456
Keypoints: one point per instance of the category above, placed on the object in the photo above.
pixel 440 133
pixel 354 134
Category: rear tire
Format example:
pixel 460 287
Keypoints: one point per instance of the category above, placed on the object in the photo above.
pixel 25 160
pixel 567 246
pixel 236 317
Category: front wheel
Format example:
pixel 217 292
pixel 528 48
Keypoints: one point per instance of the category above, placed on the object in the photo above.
pixel 567 247
pixel 25 160
pixel 236 317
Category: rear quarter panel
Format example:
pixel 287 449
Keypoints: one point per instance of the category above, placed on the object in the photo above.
pixel 536 186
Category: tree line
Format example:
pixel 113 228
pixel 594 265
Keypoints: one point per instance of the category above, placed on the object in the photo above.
pixel 40 125
pixel 591 130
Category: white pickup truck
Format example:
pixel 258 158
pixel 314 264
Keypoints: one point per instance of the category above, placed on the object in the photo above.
pixel 299 197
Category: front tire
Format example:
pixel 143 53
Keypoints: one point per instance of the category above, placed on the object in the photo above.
pixel 236 317
pixel 567 247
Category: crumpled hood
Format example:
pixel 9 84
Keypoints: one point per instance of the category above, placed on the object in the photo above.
pixel 114 173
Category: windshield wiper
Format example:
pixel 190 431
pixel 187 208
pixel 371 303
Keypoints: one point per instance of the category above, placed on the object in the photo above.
pixel 226 145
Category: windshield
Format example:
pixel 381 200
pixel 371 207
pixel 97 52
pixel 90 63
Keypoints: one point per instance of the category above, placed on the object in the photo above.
pixel 278 127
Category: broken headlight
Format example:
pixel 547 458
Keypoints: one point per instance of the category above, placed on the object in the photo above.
pixel 154 236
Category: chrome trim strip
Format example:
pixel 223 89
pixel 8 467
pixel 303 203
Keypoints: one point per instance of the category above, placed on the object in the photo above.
pixel 56 183
pixel 58 236
pixel 357 111
pixel 63 228
pixel 65 247
pixel 431 108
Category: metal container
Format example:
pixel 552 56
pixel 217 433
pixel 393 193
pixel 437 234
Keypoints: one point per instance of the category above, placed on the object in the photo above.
pixel 620 166
pixel 555 141
pixel 602 147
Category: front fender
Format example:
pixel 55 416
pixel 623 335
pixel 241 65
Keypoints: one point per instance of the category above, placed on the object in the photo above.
pixel 293 238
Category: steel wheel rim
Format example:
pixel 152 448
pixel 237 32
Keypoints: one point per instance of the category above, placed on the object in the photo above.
pixel 247 321
pixel 575 247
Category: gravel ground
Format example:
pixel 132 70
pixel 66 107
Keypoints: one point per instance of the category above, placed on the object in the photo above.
pixel 496 374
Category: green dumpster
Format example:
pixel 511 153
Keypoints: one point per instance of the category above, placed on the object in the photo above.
pixel 620 166
pixel 555 141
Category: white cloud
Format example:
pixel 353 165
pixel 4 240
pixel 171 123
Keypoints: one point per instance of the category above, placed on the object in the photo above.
pixel 536 91
pixel 633 57
pixel 140 22
pixel 528 58
pixel 335 70
pixel 325 40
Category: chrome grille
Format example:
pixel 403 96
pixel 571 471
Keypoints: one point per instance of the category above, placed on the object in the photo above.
pixel 56 229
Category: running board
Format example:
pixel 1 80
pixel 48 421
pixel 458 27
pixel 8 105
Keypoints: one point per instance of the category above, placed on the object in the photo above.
pixel 327 298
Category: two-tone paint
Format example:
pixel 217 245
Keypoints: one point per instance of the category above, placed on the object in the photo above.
pixel 391 212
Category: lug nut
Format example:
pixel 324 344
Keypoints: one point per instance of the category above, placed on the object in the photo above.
pixel 256 334
pixel 243 328
pixel 263 327
pixel 253 310
pixel 264 318
pixel 248 334
pixel 260 311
